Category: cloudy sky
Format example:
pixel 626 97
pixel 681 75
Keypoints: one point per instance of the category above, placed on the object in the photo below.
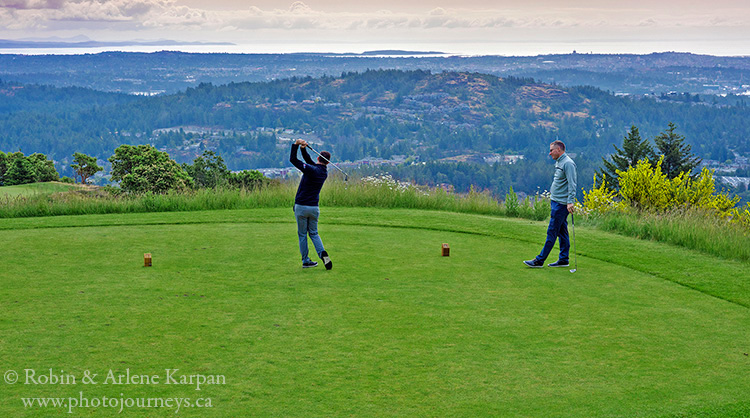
pixel 717 26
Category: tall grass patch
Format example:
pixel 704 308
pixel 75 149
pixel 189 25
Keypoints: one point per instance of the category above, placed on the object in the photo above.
pixel 695 229
pixel 360 193
pixel 103 202
pixel 385 192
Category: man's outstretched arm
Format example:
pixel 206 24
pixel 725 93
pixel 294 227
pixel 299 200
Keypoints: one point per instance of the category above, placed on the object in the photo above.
pixel 294 160
pixel 306 156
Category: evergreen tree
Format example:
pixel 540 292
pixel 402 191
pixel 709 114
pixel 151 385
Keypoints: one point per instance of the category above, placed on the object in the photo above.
pixel 143 168
pixel 633 150
pixel 20 171
pixel 677 155
pixel 85 166
pixel 208 170
pixel 44 168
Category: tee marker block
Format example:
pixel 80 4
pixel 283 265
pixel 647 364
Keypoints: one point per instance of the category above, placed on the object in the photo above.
pixel 446 250
pixel 147 260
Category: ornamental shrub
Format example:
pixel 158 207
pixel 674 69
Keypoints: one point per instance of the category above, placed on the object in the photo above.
pixel 601 199
pixel 741 216
pixel 647 187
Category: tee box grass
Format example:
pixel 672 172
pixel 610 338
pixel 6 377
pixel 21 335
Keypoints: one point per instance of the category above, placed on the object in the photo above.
pixel 395 329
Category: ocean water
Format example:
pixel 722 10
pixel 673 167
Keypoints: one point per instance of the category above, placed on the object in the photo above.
pixel 739 47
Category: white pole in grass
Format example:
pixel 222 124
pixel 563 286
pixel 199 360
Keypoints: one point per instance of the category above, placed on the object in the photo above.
pixel 573 228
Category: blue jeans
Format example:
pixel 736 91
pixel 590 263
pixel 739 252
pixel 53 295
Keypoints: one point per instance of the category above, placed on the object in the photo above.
pixel 307 224
pixel 558 228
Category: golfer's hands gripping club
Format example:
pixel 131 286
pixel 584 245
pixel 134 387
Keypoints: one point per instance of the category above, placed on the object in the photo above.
pixel 301 142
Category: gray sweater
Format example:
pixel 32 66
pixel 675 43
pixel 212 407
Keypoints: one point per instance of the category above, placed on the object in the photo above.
pixel 563 189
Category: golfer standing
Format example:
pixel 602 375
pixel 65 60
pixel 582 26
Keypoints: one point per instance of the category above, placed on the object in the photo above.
pixel 306 208
pixel 563 195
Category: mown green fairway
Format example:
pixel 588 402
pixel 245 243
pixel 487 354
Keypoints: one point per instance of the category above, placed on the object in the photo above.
pixel 642 329
pixel 36 188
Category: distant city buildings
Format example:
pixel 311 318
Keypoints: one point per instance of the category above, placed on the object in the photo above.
pixel 735 181
pixel 489 158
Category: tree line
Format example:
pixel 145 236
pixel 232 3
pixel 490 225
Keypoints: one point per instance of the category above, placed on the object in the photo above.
pixel 138 169
pixel 17 168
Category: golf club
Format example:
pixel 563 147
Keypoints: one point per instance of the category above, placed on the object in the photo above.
pixel 573 228
pixel 346 176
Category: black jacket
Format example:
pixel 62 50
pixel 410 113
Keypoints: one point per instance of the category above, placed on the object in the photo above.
pixel 313 177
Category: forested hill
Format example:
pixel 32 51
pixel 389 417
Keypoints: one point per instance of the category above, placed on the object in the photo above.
pixel 172 71
pixel 376 113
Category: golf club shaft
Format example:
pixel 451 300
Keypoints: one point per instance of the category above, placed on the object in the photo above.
pixel 573 224
pixel 346 176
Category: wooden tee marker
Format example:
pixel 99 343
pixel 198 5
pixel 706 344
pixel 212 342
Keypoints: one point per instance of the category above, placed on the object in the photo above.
pixel 147 260
pixel 446 250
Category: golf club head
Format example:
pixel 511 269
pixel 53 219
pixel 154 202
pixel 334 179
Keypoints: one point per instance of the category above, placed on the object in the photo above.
pixel 573 270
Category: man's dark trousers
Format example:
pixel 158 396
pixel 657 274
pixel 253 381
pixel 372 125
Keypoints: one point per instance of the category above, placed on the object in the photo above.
pixel 558 228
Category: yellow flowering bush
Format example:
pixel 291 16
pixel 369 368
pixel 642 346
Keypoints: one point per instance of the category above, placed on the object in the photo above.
pixel 600 199
pixel 701 193
pixel 645 186
pixel 741 216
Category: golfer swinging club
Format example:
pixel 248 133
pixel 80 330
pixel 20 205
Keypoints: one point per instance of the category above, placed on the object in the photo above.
pixel 306 208
pixel 563 195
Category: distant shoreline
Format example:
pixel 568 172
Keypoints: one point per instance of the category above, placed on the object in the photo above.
pixel 356 49
pixel 400 52
pixel 11 44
